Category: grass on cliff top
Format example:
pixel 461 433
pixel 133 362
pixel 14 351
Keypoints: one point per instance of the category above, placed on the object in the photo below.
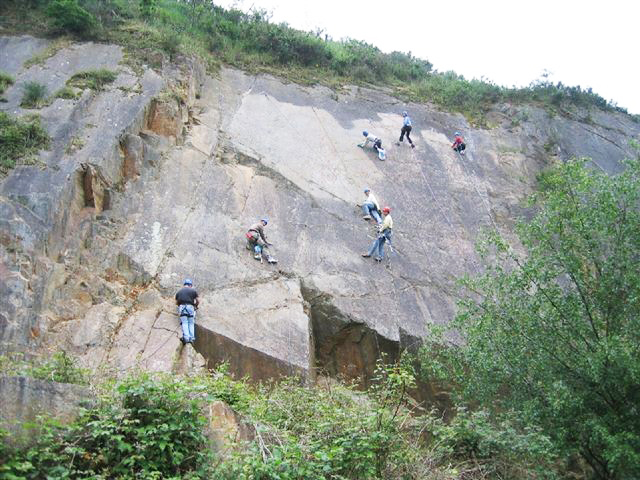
pixel 150 29
pixel 20 138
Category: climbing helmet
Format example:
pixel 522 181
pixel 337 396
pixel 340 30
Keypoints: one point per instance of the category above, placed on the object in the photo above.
pixel 365 133
pixel 265 220
pixel 386 210
pixel 187 281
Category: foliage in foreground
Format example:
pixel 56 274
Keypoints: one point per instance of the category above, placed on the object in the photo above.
pixel 153 427
pixel 554 335
pixel 251 41
pixel 20 138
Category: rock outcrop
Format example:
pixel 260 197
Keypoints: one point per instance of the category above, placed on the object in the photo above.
pixel 23 399
pixel 95 243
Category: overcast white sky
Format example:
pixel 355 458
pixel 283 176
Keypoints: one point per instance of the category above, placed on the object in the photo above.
pixel 588 43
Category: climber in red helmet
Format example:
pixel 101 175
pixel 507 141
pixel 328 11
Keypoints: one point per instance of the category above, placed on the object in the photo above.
pixel 458 143
pixel 384 235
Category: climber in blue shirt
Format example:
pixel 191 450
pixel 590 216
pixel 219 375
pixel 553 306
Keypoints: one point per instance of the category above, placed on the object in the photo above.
pixel 406 129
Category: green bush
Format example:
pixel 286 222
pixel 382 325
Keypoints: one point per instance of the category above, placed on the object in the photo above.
pixel 34 95
pixel 170 42
pixel 147 428
pixel 68 16
pixel 552 334
pixel 59 368
pixel 67 93
pixel 497 443
pixel 93 79
pixel 20 138
pixel 5 81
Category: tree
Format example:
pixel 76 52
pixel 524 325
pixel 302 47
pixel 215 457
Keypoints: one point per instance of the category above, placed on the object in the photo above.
pixel 554 334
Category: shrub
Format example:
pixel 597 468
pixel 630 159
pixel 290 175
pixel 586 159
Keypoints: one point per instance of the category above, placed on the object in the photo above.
pixel 552 335
pixel 93 79
pixel 67 93
pixel 146 428
pixel 67 15
pixel 497 443
pixel 20 138
pixel 170 43
pixel 5 81
pixel 60 368
pixel 34 95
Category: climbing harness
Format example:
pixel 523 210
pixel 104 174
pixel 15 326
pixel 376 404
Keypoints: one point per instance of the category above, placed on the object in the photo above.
pixel 185 311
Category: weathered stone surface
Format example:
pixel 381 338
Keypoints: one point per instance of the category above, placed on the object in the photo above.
pixel 23 399
pixel 264 336
pixel 44 208
pixel 14 51
pixel 225 428
pixel 254 146
pixel 133 150
pixel 189 361
pixel 166 118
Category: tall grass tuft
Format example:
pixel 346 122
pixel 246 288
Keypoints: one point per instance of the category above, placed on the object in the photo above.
pixel 34 95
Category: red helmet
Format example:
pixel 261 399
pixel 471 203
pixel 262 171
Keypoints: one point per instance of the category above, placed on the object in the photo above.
pixel 386 210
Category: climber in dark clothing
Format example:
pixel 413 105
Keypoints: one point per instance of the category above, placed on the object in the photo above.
pixel 406 129
pixel 187 301
pixel 257 241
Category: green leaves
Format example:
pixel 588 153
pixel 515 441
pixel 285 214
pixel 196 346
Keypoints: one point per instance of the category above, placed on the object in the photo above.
pixel 20 138
pixel 554 334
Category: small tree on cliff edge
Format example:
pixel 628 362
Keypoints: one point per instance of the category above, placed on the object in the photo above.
pixel 555 335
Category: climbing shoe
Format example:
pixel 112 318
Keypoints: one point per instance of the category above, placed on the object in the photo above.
pixel 413 146
pixel 366 255
pixel 271 260
pixel 257 256
pixel 182 340
pixel 378 259
pixel 366 217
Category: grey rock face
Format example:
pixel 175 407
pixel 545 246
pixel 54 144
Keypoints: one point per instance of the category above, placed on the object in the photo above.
pixel 184 179
pixel 23 399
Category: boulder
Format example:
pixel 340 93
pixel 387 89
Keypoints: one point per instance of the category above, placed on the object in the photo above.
pixel 24 399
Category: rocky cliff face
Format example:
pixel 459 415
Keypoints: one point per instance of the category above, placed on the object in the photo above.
pixel 173 167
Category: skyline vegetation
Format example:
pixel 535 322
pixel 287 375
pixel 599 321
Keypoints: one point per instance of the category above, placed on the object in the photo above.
pixel 251 42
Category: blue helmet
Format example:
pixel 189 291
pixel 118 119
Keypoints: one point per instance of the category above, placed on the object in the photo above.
pixel 265 220
pixel 457 134
pixel 187 281
pixel 366 189
pixel 365 133
pixel 405 114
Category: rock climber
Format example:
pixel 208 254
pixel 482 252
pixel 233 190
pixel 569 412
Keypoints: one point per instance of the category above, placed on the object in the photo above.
pixel 257 241
pixel 406 129
pixel 187 301
pixel 384 235
pixel 371 207
pixel 458 143
pixel 370 137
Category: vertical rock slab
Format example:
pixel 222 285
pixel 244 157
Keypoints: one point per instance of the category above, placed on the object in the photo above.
pixel 261 329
